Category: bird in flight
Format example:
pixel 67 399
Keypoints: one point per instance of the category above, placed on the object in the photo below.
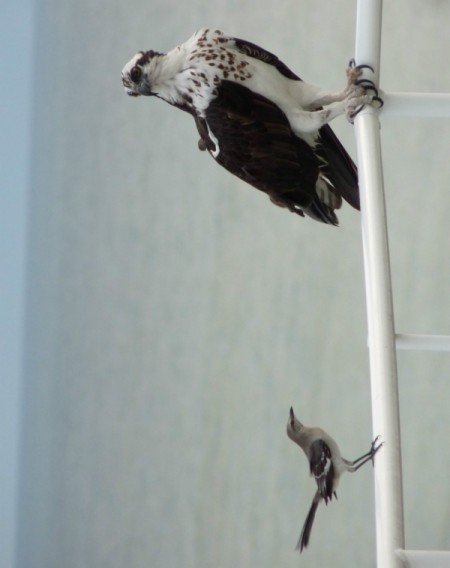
pixel 258 119
pixel 325 463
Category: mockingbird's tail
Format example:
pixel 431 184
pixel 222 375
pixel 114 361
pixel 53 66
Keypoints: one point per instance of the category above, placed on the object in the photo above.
pixel 306 530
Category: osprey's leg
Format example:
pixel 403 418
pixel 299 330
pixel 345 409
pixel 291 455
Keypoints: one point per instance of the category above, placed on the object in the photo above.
pixel 317 98
pixel 310 121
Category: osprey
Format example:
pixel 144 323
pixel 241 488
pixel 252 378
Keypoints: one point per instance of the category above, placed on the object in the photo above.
pixel 258 119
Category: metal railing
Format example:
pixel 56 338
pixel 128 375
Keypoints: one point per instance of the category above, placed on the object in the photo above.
pixel 382 339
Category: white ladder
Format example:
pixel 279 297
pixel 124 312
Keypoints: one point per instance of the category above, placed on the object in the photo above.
pixel 382 339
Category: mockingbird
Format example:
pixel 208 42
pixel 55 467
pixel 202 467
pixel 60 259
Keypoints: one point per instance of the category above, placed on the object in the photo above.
pixel 325 463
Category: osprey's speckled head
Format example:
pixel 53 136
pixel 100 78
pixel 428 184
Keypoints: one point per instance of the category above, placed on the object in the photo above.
pixel 137 72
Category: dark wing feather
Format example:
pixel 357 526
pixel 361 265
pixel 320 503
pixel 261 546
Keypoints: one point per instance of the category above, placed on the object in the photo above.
pixel 257 52
pixel 257 144
pixel 340 170
pixel 322 468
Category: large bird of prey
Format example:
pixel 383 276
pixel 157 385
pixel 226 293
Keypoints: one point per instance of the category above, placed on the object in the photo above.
pixel 258 119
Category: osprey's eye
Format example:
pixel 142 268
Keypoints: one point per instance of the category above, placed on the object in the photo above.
pixel 135 74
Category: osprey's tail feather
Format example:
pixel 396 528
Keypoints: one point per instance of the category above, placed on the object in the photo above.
pixel 338 167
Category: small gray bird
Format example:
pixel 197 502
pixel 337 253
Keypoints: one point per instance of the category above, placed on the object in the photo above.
pixel 325 463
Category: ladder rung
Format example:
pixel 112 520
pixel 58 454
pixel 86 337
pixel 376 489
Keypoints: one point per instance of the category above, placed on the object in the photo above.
pixel 431 105
pixel 423 342
pixel 425 558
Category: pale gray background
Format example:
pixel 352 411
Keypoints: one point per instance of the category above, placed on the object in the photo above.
pixel 174 314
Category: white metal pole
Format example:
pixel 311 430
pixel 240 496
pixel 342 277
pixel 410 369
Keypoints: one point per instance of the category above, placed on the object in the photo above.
pixel 381 334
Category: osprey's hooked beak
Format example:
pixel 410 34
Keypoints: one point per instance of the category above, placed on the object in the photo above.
pixel 128 86
pixel 144 89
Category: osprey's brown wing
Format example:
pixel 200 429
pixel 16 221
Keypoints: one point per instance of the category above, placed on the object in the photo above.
pixel 251 137
pixel 339 167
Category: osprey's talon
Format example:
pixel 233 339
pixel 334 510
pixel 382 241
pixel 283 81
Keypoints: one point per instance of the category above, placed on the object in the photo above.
pixel 371 99
pixel 379 100
pixel 367 84
pixel 355 79
pixel 353 113
pixel 353 73
pixel 363 66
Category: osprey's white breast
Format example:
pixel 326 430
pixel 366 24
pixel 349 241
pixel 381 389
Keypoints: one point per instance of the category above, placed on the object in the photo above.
pixel 212 57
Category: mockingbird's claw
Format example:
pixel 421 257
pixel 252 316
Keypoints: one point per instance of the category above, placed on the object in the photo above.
pixel 374 448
